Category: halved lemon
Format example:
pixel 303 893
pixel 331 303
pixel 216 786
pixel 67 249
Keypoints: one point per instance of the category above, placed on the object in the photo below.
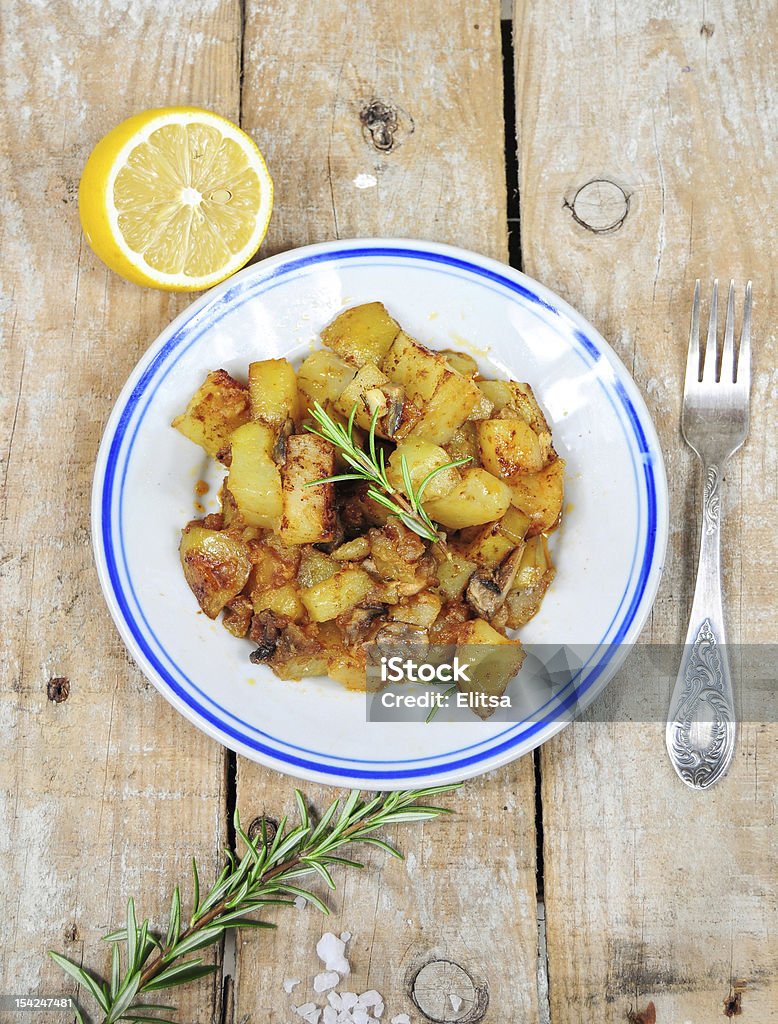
pixel 177 198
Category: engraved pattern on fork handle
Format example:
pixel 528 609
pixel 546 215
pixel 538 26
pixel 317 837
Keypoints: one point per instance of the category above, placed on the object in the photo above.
pixel 701 725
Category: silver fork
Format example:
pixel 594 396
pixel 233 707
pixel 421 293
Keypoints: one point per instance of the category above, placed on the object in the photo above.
pixel 701 723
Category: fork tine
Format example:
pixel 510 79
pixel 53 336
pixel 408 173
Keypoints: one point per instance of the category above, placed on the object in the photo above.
pixel 744 355
pixel 693 355
pixel 709 359
pixel 727 374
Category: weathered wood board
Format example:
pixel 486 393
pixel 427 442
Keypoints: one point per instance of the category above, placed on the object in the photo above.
pixel 109 792
pixel 654 892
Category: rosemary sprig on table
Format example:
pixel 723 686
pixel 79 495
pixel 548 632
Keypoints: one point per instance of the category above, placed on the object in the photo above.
pixel 143 963
pixel 370 466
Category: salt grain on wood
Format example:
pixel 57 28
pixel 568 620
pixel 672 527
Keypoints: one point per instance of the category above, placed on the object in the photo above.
pixel 289 984
pixel 326 980
pixel 330 950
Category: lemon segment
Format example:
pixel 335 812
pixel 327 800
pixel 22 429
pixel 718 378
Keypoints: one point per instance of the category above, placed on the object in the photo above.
pixel 176 199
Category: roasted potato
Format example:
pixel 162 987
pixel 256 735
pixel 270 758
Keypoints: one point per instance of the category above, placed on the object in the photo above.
pixel 273 392
pixel 477 498
pixel 422 458
pixel 512 446
pixel 322 378
pixel 254 480
pixel 336 595
pixel 216 567
pixel 361 334
pixel 540 496
pixel 307 512
pixel 219 406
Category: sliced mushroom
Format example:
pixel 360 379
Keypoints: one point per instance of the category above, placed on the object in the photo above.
pixel 393 639
pixel 488 588
pixel 279 448
pixel 265 631
pixel 394 415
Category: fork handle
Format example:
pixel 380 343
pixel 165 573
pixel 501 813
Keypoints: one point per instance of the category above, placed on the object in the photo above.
pixel 701 725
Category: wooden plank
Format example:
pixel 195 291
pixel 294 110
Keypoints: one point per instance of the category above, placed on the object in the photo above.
pixel 315 76
pixel 654 892
pixel 107 793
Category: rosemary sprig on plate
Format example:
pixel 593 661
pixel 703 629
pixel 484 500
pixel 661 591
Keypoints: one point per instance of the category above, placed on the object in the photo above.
pixel 370 466
pixel 143 963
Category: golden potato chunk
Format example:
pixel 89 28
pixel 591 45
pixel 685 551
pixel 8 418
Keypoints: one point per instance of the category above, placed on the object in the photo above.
pixel 418 370
pixel 219 406
pixel 478 498
pixel 254 479
pixel 308 512
pixel 513 396
pixel 273 391
pixel 454 400
pixel 361 334
pixel 540 496
pixel 284 601
pixel 510 446
pixel 216 567
pixel 492 543
pixel 492 661
pixel 371 391
pixel 454 574
pixel 322 378
pixel 422 458
pixel 460 361
pixel 336 595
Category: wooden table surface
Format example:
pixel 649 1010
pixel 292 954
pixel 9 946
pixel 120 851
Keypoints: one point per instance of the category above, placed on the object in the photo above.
pixel 576 886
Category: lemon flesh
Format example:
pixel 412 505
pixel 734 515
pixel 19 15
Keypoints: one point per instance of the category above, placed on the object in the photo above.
pixel 176 199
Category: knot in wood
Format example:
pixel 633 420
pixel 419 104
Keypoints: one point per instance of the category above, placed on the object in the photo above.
pixel 600 206
pixel 255 828
pixel 58 689
pixel 384 125
pixel 445 993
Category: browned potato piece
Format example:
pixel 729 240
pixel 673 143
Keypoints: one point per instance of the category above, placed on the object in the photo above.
pixel 512 396
pixel 321 378
pixel 254 480
pixel 273 391
pixel 454 399
pixel 492 543
pixel 492 659
pixel 361 334
pixel 510 446
pixel 535 575
pixel 422 457
pixel 540 496
pixel 478 498
pixel 216 567
pixel 219 406
pixel 371 390
pixel 421 610
pixel 464 444
pixel 454 574
pixel 308 513
pixel 336 595
pixel 460 361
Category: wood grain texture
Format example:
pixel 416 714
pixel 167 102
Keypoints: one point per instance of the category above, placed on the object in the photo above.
pixel 315 76
pixel 109 792
pixel 655 892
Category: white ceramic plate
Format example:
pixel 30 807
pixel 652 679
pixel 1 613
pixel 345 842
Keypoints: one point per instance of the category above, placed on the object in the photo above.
pixel 609 550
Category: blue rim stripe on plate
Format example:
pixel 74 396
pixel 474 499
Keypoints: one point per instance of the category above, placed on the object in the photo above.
pixel 206 313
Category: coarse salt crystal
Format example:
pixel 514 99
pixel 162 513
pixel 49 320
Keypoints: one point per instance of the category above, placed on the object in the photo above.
pixel 335 1000
pixel 344 1017
pixel 330 1015
pixel 345 936
pixel 312 1017
pixel 359 1015
pixel 326 980
pixel 300 902
pixel 369 998
pixel 289 984
pixel 456 1002
pixel 348 999
pixel 330 950
pixel 304 1008
pixel 378 1009
pixel 401 1018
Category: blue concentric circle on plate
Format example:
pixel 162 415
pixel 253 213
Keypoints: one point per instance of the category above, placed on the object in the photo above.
pixel 146 637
